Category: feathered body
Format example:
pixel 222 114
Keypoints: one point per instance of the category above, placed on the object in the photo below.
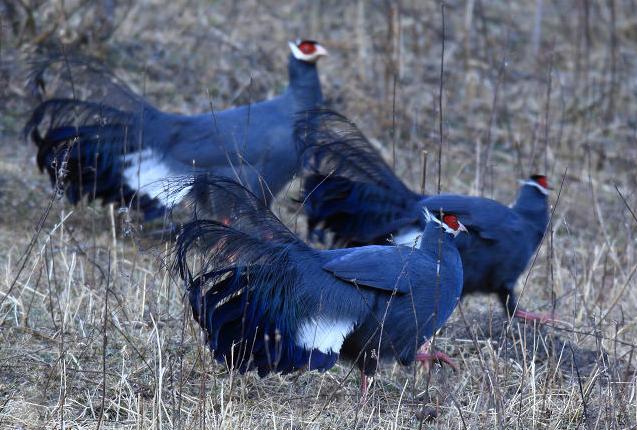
pixel 269 302
pixel 501 240
pixel 350 192
pixel 115 146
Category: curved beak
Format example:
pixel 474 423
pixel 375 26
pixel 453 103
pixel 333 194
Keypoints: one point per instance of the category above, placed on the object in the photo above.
pixel 320 51
pixel 462 227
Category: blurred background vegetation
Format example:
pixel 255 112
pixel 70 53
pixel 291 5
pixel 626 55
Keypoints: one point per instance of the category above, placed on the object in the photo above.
pixel 542 86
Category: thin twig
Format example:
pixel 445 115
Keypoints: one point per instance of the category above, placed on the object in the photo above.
pixel 393 126
pixel 104 343
pixel 440 89
pixel 423 178
pixel 581 388
pixel 626 203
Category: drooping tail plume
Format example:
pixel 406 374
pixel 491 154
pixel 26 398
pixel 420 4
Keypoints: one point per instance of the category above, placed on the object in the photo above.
pixel 348 189
pixel 242 280
pixel 89 135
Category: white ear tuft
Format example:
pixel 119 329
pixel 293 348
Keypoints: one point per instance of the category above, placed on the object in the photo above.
pixel 536 185
pixel 428 216
pixel 295 50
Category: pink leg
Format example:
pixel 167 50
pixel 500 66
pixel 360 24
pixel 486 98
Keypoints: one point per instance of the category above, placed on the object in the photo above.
pixel 426 358
pixel 424 349
pixel 532 316
pixel 364 387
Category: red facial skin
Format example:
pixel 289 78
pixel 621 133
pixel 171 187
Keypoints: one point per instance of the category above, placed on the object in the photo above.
pixel 451 221
pixel 307 47
pixel 542 181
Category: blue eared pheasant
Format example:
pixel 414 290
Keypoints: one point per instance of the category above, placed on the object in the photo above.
pixel 268 302
pixel 111 144
pixel 350 192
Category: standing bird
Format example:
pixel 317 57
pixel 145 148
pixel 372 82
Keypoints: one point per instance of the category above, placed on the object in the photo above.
pixel 115 146
pixel 267 301
pixel 352 193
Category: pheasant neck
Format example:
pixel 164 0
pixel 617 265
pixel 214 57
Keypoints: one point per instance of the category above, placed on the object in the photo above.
pixel 434 238
pixel 305 84
pixel 533 206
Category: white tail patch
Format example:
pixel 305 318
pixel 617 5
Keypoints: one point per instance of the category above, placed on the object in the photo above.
pixel 148 174
pixel 326 335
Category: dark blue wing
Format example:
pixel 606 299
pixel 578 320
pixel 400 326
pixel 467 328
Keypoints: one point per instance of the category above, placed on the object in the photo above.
pixel 389 268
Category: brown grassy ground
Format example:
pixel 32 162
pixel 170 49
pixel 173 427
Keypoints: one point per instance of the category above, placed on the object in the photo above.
pixel 93 331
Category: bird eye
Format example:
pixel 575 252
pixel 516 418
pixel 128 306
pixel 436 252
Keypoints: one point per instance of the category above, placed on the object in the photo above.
pixel 307 47
pixel 451 221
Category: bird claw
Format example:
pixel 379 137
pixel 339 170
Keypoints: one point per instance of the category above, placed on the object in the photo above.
pixel 426 358
pixel 533 316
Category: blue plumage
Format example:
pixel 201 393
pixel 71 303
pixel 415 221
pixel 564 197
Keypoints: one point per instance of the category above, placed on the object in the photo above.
pixel 502 240
pixel 111 144
pixel 352 193
pixel 269 302
pixel 89 159
pixel 349 189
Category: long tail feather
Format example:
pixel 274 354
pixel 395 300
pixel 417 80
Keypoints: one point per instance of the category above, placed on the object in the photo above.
pixel 88 131
pixel 58 74
pixel 330 142
pixel 349 189
pixel 85 151
pixel 357 213
pixel 243 281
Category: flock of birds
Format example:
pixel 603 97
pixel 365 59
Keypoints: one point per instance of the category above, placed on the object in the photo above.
pixel 398 262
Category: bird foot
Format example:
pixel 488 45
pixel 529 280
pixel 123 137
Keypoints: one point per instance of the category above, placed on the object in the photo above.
pixel 426 358
pixel 532 316
pixel 365 383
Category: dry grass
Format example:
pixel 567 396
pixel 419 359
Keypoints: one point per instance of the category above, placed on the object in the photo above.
pixel 93 332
